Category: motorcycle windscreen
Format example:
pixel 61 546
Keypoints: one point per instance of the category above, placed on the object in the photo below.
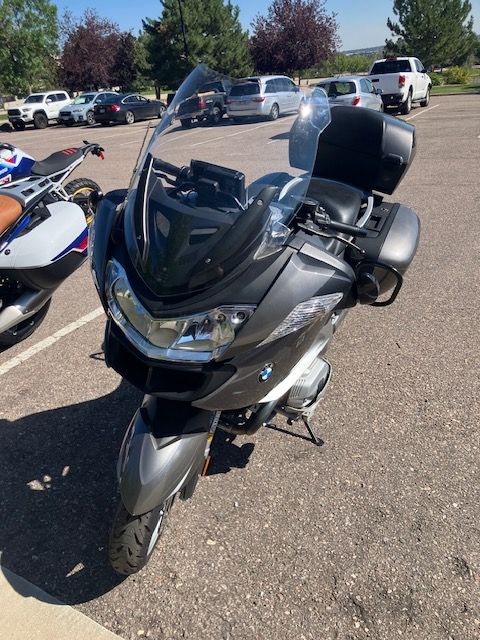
pixel 204 200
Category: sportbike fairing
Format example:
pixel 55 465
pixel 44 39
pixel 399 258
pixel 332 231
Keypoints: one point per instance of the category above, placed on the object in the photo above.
pixel 189 222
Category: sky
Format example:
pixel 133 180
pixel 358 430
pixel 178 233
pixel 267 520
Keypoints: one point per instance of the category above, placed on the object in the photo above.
pixel 361 24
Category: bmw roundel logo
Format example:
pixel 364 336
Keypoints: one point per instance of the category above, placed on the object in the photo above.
pixel 265 373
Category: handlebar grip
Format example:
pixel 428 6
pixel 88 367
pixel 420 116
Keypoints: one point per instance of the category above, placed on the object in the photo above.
pixel 351 229
pixel 167 167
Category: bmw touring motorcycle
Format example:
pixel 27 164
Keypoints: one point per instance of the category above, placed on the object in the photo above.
pixel 224 283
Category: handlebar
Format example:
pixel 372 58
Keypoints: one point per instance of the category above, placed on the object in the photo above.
pixel 171 169
pixel 350 229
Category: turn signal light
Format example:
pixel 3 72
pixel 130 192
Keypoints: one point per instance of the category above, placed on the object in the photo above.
pixel 356 101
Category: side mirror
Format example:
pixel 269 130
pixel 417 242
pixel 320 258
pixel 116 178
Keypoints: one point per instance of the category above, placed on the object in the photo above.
pixel 48 101
pixel 423 71
pixel 378 284
pixel 379 92
pixel 297 89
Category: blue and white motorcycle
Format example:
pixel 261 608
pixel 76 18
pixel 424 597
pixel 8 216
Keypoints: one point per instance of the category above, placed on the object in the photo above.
pixel 43 239
pixel 16 165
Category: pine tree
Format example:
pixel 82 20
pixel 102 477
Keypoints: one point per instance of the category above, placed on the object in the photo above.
pixel 212 34
pixel 439 32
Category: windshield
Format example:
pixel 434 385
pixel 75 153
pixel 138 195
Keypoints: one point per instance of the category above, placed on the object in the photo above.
pixel 35 98
pixel 391 66
pixel 204 202
pixel 84 99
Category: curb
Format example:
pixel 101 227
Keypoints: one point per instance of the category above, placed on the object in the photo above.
pixel 28 613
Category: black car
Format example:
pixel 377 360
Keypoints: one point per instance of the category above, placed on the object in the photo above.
pixel 127 108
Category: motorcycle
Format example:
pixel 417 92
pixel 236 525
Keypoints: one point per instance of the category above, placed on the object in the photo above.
pixel 224 286
pixel 43 239
pixel 17 165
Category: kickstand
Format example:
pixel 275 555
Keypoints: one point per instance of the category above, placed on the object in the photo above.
pixel 315 439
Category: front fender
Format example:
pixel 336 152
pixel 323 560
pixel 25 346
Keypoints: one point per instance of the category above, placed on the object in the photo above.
pixel 163 449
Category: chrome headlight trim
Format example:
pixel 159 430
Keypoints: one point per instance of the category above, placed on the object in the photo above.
pixel 201 337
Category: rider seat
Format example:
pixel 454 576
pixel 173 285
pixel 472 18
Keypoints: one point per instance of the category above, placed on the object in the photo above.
pixel 341 201
pixel 57 162
pixel 10 212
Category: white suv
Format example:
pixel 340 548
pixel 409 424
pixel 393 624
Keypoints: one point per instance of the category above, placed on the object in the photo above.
pixel 38 109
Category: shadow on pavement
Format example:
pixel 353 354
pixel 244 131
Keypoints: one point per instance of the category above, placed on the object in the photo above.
pixel 59 492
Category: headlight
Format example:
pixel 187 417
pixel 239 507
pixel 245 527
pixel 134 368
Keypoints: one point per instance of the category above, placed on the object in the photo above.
pixel 305 109
pixel 26 108
pixel 198 338
pixel 76 110
pixel 304 313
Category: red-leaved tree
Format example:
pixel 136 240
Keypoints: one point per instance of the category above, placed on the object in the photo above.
pixel 89 51
pixel 293 36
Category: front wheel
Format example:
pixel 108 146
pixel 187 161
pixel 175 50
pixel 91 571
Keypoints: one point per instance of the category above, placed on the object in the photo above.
pixel 19 125
pixel 24 329
pixel 90 118
pixel 133 538
pixel 80 192
pixel 426 100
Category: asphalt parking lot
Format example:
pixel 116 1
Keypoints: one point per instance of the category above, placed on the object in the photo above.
pixel 375 535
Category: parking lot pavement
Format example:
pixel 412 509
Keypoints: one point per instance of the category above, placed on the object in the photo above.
pixel 375 535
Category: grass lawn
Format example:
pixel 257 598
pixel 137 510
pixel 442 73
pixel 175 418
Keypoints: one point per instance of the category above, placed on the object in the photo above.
pixel 455 88
pixel 3 116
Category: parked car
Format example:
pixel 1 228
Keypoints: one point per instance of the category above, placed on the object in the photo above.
pixel 402 81
pixel 352 91
pixel 127 108
pixel 209 104
pixel 81 109
pixel 38 109
pixel 264 96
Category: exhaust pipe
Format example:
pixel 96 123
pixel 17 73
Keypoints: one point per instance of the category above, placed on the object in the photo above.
pixel 25 306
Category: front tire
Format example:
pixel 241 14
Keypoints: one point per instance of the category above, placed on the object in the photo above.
pixel 129 117
pixel 19 125
pixel 134 538
pixel 424 103
pixel 80 192
pixel 40 121
pixel 90 118
pixel 24 329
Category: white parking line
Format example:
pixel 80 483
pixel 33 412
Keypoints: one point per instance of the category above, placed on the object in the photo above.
pixel 422 112
pixel 47 342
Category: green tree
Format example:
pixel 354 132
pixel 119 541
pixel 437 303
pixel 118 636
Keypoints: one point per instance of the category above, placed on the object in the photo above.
pixel 439 32
pixel 211 34
pixel 29 33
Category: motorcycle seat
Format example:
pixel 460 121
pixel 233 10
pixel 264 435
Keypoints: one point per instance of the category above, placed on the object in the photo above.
pixel 10 212
pixel 341 201
pixel 58 161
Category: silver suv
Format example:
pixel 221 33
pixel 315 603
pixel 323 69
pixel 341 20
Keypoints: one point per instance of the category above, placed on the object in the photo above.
pixel 264 96
pixel 81 109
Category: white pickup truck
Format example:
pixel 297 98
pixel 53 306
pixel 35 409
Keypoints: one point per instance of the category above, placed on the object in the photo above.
pixel 402 81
